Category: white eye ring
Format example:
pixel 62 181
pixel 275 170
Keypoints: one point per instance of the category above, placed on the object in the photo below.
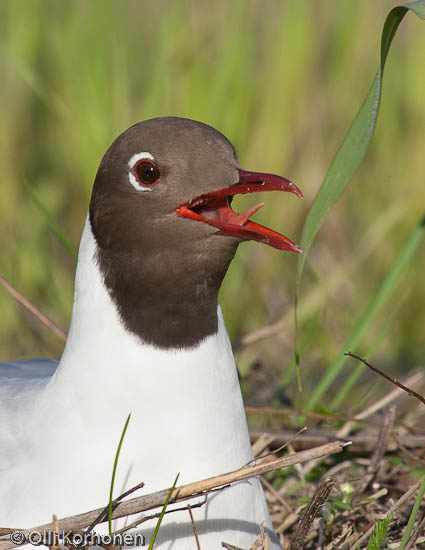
pixel 132 163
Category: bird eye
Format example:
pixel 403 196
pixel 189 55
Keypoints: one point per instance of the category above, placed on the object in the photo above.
pixel 146 172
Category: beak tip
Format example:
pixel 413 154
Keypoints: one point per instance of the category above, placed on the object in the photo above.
pixel 296 190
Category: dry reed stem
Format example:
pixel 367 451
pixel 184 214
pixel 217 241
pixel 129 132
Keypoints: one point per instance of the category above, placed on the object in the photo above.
pixel 360 443
pixel 32 309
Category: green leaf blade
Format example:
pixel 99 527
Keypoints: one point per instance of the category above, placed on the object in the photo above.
pixel 376 304
pixel 158 524
pixel 114 470
pixel 51 222
pixel 356 142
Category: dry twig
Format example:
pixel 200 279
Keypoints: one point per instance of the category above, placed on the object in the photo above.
pixel 380 404
pixel 143 519
pixel 33 309
pixel 195 530
pixel 283 446
pixel 360 443
pixel 104 514
pixel 275 494
pixel 389 378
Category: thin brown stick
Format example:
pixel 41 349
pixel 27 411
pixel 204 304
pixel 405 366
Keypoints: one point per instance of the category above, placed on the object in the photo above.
pixel 143 519
pixel 389 378
pixel 378 405
pixel 282 411
pixel 276 495
pixel 192 490
pixel 261 443
pixel 361 443
pixel 32 309
pixel 259 334
pixel 275 451
pixel 103 515
pixel 195 530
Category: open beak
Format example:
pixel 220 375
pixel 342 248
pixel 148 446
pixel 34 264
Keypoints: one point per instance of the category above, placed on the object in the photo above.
pixel 214 209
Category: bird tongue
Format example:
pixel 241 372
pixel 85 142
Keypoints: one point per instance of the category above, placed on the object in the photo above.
pixel 220 211
pixel 214 209
pixel 242 219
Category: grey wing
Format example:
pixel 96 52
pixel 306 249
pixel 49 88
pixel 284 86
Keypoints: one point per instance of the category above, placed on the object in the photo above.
pixel 21 383
pixel 30 369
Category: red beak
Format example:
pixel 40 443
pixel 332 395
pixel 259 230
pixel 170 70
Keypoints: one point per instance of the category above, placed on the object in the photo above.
pixel 214 209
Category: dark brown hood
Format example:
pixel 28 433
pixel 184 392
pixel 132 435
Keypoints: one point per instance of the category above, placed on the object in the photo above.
pixel 163 269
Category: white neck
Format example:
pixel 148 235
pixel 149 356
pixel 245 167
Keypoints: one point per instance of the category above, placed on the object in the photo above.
pixel 176 393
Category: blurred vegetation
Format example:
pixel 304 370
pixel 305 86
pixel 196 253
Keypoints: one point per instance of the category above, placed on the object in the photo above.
pixel 283 80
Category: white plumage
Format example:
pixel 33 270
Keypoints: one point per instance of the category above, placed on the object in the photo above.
pixel 60 427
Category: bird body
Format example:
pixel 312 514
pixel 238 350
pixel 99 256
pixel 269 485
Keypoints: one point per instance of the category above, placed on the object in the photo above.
pixel 186 410
pixel 147 337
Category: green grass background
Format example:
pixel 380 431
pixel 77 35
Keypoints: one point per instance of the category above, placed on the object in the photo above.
pixel 283 80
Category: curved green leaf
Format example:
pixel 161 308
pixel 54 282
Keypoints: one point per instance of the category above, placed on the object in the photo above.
pixel 356 142
pixel 413 515
pixel 114 470
pixel 161 515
